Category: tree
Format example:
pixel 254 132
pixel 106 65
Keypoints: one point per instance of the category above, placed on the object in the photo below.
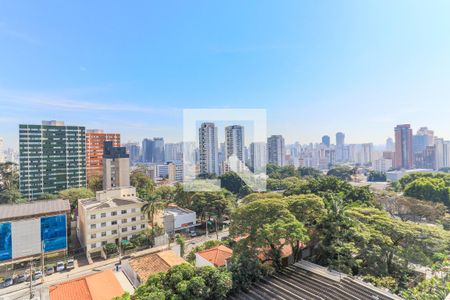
pixel 342 172
pixel 180 240
pixel 269 226
pixel 166 193
pixel 431 189
pixel 308 172
pixel 205 246
pixel 233 183
pixel 95 183
pixel 151 207
pixel 9 183
pixel 144 184
pixel 308 209
pixel 74 194
pixel 186 282
pixel 244 266
pixel 258 196
pixel 376 176
pixel 47 196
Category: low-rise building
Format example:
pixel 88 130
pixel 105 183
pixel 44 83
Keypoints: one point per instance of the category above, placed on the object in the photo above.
pixel 28 229
pixel 99 286
pixel 178 219
pixel 139 269
pixel 112 216
pixel 214 257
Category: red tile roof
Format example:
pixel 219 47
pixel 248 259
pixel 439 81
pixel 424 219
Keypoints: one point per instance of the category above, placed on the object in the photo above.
pixel 100 286
pixel 217 255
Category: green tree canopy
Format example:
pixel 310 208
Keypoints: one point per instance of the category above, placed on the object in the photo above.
pixel 74 194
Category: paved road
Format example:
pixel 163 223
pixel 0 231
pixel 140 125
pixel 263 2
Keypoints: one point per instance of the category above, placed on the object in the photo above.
pixel 21 291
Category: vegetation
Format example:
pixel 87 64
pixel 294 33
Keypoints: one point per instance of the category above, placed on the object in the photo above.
pixel 95 183
pixel 110 248
pixel 181 242
pixel 376 176
pixel 205 246
pixel 74 194
pixel 427 186
pixel 342 172
pixel 185 282
pixel 9 183
pixel 144 184
pixel 233 183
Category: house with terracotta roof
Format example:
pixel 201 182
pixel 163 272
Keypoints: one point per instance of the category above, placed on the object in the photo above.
pixel 99 286
pixel 139 269
pixel 215 257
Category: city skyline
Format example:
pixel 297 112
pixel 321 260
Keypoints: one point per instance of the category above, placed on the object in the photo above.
pixel 307 64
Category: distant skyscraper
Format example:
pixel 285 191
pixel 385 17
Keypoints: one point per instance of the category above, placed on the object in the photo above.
pixel 403 147
pixel 95 139
pixel 422 139
pixel 116 166
pixel 52 158
pixel 2 154
pixel 153 150
pixel 340 145
pixel 208 149
pixel 276 150
pixel 326 140
pixel 258 156
pixel 173 152
pixel 133 149
pixel 390 146
pixel 234 141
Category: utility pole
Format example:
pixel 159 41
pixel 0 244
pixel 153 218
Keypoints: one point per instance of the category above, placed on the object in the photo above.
pixel 42 260
pixel 31 279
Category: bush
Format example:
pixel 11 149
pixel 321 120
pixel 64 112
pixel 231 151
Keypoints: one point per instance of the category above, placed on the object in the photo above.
pixel 110 248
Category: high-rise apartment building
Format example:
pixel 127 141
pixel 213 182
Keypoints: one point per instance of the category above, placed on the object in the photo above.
pixel 258 156
pixel 52 158
pixel 133 149
pixel 208 149
pixel 173 152
pixel 116 166
pixel 403 158
pixel 234 141
pixel 326 140
pixel 422 139
pixel 95 139
pixel 340 145
pixel 276 150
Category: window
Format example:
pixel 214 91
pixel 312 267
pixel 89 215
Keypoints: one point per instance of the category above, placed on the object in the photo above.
pixel 103 215
pixel 103 233
pixel 93 245
pixel 124 211
pixel 114 213
pixel 124 221
pixel 114 232
pixel 124 229
pixel 133 227
pixel 113 222
pixel 93 226
pixel 103 224
pixel 133 219
pixel 93 236
pixel 104 243
pixel 92 217
pixel 142 226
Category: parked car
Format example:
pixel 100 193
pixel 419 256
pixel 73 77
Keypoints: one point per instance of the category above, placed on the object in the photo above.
pixel 7 282
pixel 37 274
pixel 21 278
pixel 70 264
pixel 193 233
pixel 49 270
pixel 60 266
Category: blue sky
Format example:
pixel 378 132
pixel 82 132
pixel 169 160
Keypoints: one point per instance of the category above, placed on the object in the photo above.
pixel 318 67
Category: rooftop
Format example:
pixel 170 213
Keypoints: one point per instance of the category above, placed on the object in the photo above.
pixel 115 197
pixel 217 255
pixel 307 281
pixel 146 265
pixel 99 286
pixel 29 209
pixel 176 210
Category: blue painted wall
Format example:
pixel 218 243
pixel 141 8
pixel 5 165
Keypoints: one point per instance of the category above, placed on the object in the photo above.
pixel 5 241
pixel 54 232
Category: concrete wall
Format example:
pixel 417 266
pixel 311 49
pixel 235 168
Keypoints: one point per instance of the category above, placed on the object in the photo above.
pixel 201 262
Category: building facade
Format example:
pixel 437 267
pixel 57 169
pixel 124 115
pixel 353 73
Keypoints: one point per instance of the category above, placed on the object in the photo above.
pixel 95 139
pixel 258 156
pixel 52 158
pixel 403 158
pixel 116 166
pixel 208 149
pixel 234 141
pixel 276 150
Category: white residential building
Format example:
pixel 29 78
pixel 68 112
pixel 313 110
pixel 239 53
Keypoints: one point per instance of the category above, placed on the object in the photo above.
pixel 258 156
pixel 208 149
pixel 382 165
pixel 112 216
pixel 276 150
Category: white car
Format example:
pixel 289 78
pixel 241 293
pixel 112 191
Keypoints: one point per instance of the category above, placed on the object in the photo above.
pixel 60 266
pixel 70 264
